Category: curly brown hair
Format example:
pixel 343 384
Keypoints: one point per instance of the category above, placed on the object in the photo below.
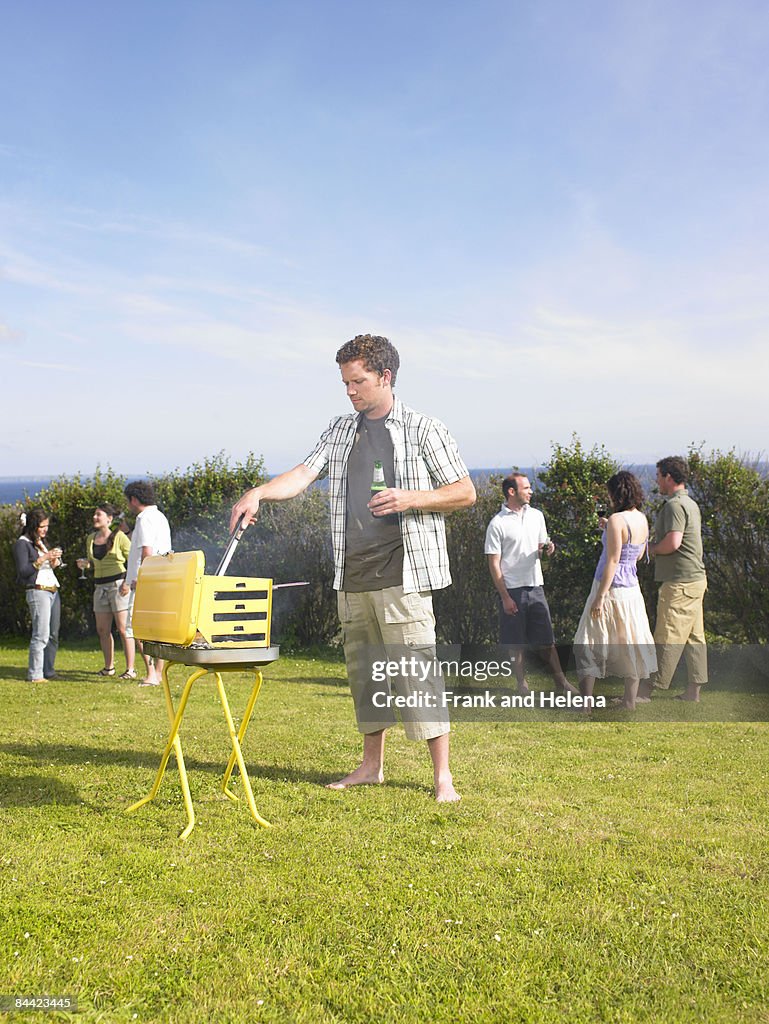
pixel 625 491
pixel 675 466
pixel 377 354
pixel 142 490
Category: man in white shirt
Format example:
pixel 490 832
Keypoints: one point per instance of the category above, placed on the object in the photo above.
pixel 151 536
pixel 515 540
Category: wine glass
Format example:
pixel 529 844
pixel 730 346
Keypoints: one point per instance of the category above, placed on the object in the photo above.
pixel 602 511
pixel 82 564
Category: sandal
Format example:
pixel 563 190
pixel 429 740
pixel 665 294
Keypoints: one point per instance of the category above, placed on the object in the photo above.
pixel 129 673
pixel 106 672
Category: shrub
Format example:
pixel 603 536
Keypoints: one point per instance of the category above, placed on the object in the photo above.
pixel 70 501
pixel 197 503
pixel 13 608
pixel 467 612
pixel 570 492
pixel 198 500
pixel 733 495
pixel 291 542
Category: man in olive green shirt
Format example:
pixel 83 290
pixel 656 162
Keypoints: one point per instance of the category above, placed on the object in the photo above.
pixel 680 570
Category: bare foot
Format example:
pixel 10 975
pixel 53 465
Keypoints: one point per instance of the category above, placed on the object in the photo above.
pixel 643 700
pixel 150 680
pixel 445 792
pixel 362 776
pixel 622 705
pixel 523 688
pixel 568 687
pixel 686 697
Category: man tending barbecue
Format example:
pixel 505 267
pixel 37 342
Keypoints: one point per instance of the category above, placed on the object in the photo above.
pixel 389 545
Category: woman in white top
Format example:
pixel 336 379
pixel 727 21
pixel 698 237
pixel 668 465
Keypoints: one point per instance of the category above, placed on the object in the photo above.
pixel 34 570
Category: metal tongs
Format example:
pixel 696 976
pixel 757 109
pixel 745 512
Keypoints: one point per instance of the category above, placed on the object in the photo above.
pixel 229 551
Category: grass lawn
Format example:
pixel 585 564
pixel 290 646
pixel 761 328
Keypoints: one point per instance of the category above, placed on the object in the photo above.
pixel 612 870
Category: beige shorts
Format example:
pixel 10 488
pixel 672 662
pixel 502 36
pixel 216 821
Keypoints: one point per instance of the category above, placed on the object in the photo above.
pixel 106 597
pixel 386 626
pixel 129 626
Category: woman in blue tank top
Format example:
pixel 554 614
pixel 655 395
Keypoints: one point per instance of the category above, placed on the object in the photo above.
pixel 613 636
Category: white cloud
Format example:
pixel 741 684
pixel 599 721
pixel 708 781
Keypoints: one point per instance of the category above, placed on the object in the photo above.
pixel 596 339
pixel 9 336
pixel 92 221
pixel 65 367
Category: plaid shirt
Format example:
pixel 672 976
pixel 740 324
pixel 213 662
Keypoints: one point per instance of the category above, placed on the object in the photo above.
pixel 425 456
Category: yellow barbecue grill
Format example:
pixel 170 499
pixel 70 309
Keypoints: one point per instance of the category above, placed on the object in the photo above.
pixel 212 624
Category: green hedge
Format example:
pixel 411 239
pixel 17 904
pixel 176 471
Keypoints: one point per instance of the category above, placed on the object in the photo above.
pixel 571 491
pixel 291 543
pixel 196 500
pixel 733 494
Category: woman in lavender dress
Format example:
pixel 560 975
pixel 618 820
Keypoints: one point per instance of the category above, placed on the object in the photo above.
pixel 613 636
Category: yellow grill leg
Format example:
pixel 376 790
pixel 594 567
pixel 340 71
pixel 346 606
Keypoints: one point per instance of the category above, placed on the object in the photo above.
pixel 178 743
pixel 237 752
pixel 174 743
pixel 241 733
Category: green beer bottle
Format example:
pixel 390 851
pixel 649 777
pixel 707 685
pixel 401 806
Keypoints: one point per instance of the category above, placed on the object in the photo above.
pixel 378 482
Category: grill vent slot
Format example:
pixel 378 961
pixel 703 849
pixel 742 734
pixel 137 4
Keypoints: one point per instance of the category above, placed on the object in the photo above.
pixel 223 638
pixel 239 616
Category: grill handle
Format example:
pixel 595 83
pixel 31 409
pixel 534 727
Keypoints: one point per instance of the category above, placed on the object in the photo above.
pixel 229 551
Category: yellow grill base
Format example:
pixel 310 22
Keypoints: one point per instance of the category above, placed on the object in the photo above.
pixel 215 624
pixel 174 744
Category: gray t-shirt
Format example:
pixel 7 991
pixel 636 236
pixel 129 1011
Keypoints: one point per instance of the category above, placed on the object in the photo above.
pixel 373 544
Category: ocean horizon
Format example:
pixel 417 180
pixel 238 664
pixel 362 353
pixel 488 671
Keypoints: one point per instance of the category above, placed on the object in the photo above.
pixel 17 489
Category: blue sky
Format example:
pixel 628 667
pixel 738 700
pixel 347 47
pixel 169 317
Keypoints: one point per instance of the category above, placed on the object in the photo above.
pixel 558 211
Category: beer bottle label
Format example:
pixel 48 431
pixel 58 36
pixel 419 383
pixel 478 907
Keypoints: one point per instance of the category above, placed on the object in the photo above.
pixel 378 481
